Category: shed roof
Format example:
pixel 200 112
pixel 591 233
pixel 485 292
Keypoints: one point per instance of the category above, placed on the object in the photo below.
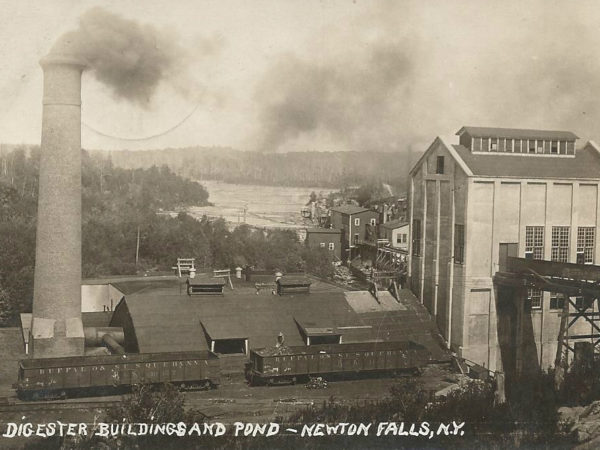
pixel 584 164
pixel 517 133
pixel 349 209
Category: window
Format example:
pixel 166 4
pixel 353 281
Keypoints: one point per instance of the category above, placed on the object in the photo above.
pixel 373 222
pixel 554 147
pixel 579 302
pixel 570 147
pixel 557 301
pixel 534 242
pixel 509 145
pixel 547 146
pixel 534 298
pixel 416 237
pixel 459 244
pixel 357 222
pixel 485 144
pixel 401 238
pixel 493 145
pixel 476 142
pixel 439 169
pixel 531 146
pixel 517 145
pixel 356 238
pixel 322 245
pixel 560 244
pixel 562 147
pixel 331 246
pixel 585 244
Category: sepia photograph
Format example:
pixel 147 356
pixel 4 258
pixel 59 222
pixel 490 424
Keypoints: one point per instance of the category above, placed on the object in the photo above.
pixel 317 224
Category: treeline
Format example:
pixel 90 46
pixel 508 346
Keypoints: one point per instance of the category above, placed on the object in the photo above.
pixel 117 204
pixel 302 169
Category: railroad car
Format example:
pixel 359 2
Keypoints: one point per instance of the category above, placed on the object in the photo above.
pixel 47 378
pixel 286 365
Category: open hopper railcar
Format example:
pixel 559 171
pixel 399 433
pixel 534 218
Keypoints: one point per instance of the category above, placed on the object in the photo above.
pixel 45 378
pixel 267 366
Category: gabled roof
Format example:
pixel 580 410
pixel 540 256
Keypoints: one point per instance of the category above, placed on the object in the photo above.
pixel 584 165
pixel 349 209
pixel 516 133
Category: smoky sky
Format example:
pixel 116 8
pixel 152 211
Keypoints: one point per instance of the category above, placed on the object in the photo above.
pixel 421 73
pixel 351 101
pixel 132 59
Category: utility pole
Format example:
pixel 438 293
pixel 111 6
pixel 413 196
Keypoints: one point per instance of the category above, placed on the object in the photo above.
pixel 137 247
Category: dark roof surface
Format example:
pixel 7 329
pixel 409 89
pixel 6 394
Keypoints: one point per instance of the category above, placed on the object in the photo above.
pixel 323 230
pixel 516 133
pixel 202 281
pixel 393 224
pixel 349 209
pixel 164 321
pixel 585 164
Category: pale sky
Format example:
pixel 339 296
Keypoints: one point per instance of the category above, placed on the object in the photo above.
pixel 322 75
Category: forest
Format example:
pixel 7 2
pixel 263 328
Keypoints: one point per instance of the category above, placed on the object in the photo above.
pixel 118 202
pixel 301 169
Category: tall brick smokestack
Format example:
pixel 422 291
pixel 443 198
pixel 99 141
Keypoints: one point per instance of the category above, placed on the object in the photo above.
pixel 57 329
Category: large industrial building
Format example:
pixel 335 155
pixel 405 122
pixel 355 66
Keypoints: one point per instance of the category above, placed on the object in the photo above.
pixel 499 193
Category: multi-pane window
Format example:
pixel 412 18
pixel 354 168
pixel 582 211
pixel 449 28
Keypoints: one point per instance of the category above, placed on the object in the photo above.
pixel 554 147
pixel 485 144
pixel 540 146
pixel 562 147
pixel 322 245
pixel 531 146
pixel 509 145
pixel 459 244
pixel 416 237
pixel 493 144
pixel 357 221
pixel 534 242
pixel 557 301
pixel 517 145
pixel 373 222
pixel 401 238
pixel 585 244
pixel 560 244
pixel 534 298
pixel 331 246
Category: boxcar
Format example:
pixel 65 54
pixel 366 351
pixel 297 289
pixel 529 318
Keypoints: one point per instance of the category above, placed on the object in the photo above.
pixel 271 367
pixel 92 375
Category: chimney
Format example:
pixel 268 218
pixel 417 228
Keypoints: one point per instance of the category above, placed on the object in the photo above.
pixel 57 328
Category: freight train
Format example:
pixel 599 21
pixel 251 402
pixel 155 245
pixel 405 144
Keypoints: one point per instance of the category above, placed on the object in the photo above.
pixel 49 378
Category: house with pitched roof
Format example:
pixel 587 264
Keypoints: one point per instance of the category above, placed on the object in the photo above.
pixel 500 192
pixel 358 226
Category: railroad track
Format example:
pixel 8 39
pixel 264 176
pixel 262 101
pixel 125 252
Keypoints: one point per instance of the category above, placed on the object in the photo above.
pixel 58 405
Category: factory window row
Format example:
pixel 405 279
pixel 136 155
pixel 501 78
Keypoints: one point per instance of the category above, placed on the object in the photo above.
pixel 505 145
pixel 557 300
pixel 586 240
